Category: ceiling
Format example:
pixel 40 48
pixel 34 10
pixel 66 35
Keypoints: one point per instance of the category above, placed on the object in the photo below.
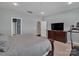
pixel 49 8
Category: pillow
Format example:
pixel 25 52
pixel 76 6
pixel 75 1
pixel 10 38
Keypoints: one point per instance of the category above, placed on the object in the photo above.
pixel 4 43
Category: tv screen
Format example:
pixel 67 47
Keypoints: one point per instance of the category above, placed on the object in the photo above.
pixel 57 26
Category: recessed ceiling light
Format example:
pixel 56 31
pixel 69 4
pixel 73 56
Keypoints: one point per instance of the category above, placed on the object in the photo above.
pixel 69 3
pixel 15 4
pixel 42 13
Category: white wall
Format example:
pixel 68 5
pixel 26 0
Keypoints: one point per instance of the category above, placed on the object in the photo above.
pixel 28 21
pixel 68 17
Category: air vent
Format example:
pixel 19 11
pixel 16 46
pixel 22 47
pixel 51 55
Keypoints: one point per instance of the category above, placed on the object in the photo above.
pixel 30 12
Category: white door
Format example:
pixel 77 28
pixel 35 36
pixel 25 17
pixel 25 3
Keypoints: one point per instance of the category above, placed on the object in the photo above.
pixel 38 28
pixel 44 29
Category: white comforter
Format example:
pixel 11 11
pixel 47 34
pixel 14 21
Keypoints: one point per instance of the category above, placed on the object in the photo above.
pixel 27 45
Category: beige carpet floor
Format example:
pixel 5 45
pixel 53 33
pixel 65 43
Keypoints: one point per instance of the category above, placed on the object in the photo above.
pixel 62 49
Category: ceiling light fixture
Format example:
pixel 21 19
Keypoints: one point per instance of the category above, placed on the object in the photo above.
pixel 42 13
pixel 15 4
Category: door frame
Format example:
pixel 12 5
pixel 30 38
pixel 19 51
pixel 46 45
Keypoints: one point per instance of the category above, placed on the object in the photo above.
pixel 12 31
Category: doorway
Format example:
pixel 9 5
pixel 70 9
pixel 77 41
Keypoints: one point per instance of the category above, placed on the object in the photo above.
pixel 16 26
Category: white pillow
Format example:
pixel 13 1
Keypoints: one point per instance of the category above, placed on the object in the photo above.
pixel 4 43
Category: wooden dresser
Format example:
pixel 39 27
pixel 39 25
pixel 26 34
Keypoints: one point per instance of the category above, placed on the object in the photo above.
pixel 60 36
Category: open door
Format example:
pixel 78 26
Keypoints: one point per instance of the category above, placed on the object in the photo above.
pixel 16 25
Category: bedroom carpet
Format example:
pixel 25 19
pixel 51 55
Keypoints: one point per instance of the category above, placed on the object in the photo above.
pixel 75 51
pixel 62 49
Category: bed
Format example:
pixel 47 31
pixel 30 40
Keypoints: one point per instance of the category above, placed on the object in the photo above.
pixel 25 45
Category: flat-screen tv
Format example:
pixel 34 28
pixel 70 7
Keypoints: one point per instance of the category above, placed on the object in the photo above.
pixel 57 26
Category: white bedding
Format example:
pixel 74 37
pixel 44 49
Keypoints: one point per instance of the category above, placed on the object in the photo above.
pixel 4 43
pixel 27 45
